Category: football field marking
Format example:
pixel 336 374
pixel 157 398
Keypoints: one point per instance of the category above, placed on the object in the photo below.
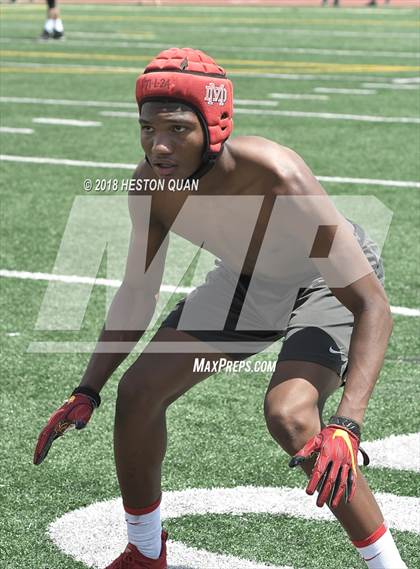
pixel 338 91
pixel 112 104
pixel 394 86
pixel 243 63
pixel 65 122
pixel 12 130
pixel 74 279
pixel 125 166
pixel 330 116
pixel 96 534
pixel 93 39
pixel 80 69
pixel 68 102
pixel 400 452
pixel 298 96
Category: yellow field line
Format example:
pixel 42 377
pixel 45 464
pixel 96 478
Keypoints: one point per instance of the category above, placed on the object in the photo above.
pixel 224 21
pixel 269 65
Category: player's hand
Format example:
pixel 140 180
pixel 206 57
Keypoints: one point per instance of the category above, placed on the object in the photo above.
pixel 335 471
pixel 75 412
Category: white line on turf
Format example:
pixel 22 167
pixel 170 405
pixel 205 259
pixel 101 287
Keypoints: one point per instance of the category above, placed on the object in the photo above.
pixel 393 86
pixel 369 182
pixel 123 166
pixel 119 114
pixel 12 130
pixel 231 30
pixel 96 534
pixel 400 452
pixel 66 162
pixel 296 114
pixel 406 80
pixel 298 96
pixel 65 122
pixel 344 91
pixel 75 279
pixel 110 104
pixel 132 42
pixel 330 116
pixel 68 102
pixel 257 102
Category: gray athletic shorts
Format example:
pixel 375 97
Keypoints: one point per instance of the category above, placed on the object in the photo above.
pixel 314 325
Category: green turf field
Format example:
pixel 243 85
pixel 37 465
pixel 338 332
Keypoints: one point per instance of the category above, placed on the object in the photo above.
pixel 217 434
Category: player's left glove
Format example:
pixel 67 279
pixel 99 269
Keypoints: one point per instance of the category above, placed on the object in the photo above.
pixel 335 470
pixel 75 412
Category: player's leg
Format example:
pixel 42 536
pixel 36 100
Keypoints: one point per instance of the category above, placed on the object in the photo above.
pixel 145 391
pixel 293 411
pixel 53 27
pixel 293 408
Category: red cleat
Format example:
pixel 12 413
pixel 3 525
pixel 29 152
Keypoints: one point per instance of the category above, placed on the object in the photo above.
pixel 131 558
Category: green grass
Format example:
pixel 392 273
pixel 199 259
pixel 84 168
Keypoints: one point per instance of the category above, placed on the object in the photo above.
pixel 217 431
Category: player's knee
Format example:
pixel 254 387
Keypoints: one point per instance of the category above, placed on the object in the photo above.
pixel 139 392
pixel 291 425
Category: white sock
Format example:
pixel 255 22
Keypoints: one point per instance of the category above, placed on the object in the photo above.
pixel 49 26
pixel 145 530
pixel 379 550
pixel 58 25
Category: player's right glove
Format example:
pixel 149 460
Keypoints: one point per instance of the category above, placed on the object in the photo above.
pixel 335 471
pixel 75 412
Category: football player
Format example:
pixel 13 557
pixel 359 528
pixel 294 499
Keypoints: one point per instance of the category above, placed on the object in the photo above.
pixel 289 266
pixel 53 27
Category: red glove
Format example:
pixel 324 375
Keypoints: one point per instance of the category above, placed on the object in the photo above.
pixel 335 470
pixel 75 412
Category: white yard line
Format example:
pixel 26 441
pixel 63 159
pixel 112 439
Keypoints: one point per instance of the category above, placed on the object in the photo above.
pixel 231 30
pixel 337 91
pixel 331 116
pixel 394 86
pixel 131 41
pixel 124 166
pixel 68 102
pixel 296 114
pixel 407 80
pixel 65 122
pixel 65 162
pixel 74 279
pixel 12 130
pixel 119 114
pixel 257 102
pixel 298 96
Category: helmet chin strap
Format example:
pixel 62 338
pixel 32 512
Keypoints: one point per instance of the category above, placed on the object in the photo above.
pixel 206 165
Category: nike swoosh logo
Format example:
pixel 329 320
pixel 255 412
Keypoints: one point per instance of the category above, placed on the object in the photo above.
pixel 332 351
pixel 345 436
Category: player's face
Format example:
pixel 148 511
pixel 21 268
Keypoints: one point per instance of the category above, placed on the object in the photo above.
pixel 172 138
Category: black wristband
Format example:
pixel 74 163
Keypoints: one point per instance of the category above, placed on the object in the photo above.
pixel 96 400
pixel 349 424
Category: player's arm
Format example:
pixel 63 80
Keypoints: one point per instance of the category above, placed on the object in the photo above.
pixel 338 257
pixel 129 315
pixel 134 303
pixel 340 260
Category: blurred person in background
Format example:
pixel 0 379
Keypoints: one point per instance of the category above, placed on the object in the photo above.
pixel 53 27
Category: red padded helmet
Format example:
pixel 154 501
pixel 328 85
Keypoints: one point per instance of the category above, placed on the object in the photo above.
pixel 192 77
